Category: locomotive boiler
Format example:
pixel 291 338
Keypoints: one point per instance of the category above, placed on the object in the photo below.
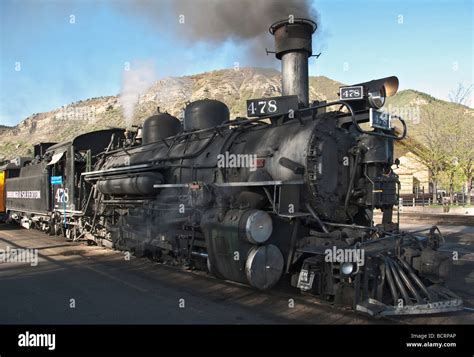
pixel 285 195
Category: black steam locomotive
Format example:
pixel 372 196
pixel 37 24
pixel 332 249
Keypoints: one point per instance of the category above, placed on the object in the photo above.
pixel 288 193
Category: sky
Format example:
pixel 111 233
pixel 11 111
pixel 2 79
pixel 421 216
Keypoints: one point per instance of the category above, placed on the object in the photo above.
pixel 56 52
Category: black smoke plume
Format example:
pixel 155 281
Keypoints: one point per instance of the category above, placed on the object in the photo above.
pixel 217 21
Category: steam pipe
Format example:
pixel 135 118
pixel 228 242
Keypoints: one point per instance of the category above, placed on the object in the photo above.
pixel 416 279
pixel 316 218
pixel 199 254
pixel 399 283
pixel 407 282
pixel 390 281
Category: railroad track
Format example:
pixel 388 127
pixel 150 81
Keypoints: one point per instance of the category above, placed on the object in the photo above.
pixel 154 283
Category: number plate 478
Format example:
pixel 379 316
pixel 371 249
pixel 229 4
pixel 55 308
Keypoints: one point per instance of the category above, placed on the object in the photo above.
pixel 271 106
pixel 62 195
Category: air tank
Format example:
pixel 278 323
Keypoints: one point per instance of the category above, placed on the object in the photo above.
pixel 141 184
pixel 160 126
pixel 204 114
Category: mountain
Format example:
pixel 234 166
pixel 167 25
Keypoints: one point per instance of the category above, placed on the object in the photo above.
pixel 171 94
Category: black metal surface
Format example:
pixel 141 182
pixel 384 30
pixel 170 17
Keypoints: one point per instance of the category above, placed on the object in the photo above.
pixel 204 114
pixel 140 185
pixel 159 127
pixel 29 192
pixel 293 36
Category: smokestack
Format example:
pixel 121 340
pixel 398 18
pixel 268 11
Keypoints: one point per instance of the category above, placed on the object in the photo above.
pixel 293 46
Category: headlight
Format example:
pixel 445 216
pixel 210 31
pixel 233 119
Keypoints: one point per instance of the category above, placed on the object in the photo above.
pixel 376 99
pixel 370 94
pixel 347 268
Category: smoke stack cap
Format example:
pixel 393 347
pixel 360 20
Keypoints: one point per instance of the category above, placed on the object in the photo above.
pixel 295 35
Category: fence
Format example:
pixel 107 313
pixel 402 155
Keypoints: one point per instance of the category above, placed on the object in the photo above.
pixel 427 199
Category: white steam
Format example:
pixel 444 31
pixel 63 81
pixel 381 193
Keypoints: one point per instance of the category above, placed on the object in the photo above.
pixel 136 81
